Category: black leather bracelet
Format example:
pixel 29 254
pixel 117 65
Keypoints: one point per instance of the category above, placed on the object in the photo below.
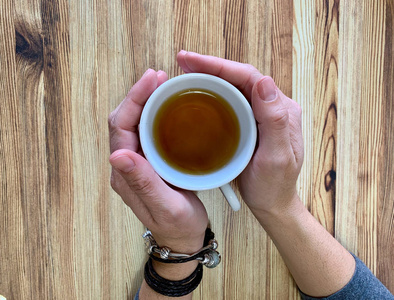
pixel 172 288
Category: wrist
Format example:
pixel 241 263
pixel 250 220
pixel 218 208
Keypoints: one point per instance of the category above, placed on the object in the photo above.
pixel 187 245
pixel 280 212
pixel 177 274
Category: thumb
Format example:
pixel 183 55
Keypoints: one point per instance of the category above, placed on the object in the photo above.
pixel 272 116
pixel 139 176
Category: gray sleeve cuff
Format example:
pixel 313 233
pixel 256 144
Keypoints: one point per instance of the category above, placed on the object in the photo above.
pixel 363 285
pixel 137 296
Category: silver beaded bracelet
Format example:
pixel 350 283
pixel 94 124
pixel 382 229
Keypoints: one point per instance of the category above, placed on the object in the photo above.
pixel 207 256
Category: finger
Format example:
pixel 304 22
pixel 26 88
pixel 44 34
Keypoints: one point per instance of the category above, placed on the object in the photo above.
pixel 121 187
pixel 129 111
pixel 161 77
pixel 123 121
pixel 143 181
pixel 272 115
pixel 243 76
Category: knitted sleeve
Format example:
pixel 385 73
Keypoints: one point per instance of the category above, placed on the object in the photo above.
pixel 363 285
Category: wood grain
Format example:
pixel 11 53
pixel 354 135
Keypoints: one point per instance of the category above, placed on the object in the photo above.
pixel 64 65
pixel 348 122
pixel 370 131
pixel 385 256
pixel 279 283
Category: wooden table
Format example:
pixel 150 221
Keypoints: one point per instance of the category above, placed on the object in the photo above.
pixel 64 65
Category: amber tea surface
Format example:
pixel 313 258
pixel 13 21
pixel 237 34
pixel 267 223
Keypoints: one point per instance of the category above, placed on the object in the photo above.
pixel 196 131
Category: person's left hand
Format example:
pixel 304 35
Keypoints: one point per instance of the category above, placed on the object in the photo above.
pixel 176 218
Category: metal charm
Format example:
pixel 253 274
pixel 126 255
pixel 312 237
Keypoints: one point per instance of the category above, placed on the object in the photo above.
pixel 211 259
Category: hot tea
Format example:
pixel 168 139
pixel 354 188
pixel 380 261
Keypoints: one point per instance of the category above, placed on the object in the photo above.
pixel 196 131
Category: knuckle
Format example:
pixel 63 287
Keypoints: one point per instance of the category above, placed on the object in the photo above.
pixel 281 162
pixel 279 117
pixel 173 217
pixel 141 185
pixel 280 165
pixel 178 212
pixel 297 108
pixel 177 217
pixel 115 182
pixel 112 120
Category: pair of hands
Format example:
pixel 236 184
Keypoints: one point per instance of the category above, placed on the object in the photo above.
pixel 177 218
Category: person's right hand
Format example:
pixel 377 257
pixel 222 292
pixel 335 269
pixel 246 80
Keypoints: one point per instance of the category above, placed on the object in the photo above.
pixel 269 181
pixel 319 264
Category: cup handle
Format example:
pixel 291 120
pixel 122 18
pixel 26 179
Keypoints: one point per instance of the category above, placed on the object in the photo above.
pixel 230 196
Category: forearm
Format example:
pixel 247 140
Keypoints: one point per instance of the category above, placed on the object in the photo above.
pixel 319 264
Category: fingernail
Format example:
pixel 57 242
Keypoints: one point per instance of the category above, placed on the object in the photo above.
pixel 191 53
pixel 182 52
pixel 123 163
pixel 267 89
pixel 147 72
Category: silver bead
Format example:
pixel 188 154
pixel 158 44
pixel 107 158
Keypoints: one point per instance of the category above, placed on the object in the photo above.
pixel 148 239
pixel 214 244
pixel 165 252
pixel 211 259
pixel 151 249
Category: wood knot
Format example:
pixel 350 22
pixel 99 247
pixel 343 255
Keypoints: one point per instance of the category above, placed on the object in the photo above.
pixel 28 44
pixel 329 180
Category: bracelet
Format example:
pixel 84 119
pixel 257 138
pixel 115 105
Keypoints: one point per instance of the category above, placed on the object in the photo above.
pixel 207 256
pixel 172 288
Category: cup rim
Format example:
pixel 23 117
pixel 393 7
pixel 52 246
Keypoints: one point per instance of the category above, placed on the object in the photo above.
pixel 183 180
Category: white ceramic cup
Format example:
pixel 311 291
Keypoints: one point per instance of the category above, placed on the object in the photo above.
pixel 220 178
